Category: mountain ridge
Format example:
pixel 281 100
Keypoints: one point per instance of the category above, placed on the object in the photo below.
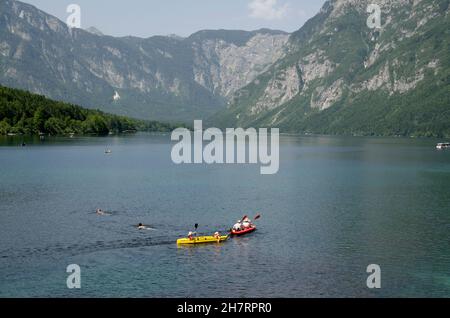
pixel 161 78
pixel 335 75
pixel 341 77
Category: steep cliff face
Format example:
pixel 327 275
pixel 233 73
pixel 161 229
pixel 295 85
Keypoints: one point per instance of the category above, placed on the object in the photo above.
pixel 344 77
pixel 224 67
pixel 164 78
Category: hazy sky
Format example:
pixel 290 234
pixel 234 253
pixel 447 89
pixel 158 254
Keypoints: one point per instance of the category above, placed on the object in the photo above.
pixel 145 18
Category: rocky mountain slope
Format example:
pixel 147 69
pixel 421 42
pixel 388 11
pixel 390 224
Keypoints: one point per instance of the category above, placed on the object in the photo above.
pixel 160 78
pixel 342 77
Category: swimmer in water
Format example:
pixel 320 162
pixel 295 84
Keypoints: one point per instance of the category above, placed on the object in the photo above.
pixel 101 212
pixel 141 226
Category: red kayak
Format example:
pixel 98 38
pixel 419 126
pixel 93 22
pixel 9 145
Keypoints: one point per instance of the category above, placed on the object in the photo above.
pixel 243 232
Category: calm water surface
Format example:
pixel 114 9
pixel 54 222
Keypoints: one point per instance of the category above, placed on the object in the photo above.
pixel 336 206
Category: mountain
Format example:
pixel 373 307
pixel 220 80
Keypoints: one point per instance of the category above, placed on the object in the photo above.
pixel 161 78
pixel 341 77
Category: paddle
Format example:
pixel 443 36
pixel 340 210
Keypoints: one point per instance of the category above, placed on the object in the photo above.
pixel 231 230
pixel 243 218
pixel 258 216
pixel 195 231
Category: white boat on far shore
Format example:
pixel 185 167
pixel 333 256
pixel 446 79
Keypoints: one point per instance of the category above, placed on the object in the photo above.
pixel 444 145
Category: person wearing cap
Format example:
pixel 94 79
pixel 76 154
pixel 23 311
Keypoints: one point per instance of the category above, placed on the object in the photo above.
pixel 237 226
pixel 217 236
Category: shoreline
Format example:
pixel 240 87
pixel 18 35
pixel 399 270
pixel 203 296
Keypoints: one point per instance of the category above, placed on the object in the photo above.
pixel 283 134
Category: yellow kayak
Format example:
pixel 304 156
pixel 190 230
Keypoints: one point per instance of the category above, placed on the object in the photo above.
pixel 202 240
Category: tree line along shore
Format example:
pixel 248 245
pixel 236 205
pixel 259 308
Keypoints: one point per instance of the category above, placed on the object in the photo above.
pixel 25 113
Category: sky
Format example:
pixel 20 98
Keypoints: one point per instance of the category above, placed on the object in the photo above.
pixel 145 18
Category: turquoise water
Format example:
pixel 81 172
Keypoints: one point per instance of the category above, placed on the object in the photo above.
pixel 336 206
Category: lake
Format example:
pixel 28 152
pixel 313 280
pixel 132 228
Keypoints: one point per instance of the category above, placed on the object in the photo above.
pixel 337 205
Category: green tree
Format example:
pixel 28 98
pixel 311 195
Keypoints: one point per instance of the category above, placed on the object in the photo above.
pixel 54 126
pixel 4 127
pixel 39 119
pixel 95 124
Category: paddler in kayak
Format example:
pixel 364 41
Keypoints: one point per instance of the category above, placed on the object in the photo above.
pixel 237 226
pixel 247 223
pixel 219 237
pixel 244 227
pixel 191 235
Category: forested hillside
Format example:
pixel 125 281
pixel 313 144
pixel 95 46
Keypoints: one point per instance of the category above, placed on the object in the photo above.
pixel 22 112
